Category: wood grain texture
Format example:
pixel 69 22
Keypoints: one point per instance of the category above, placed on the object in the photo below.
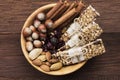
pixel 13 65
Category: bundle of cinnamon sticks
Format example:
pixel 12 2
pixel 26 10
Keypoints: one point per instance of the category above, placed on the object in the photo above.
pixel 63 12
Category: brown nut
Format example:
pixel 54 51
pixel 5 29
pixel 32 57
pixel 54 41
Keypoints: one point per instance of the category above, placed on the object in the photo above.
pixel 37 62
pixel 29 38
pixel 27 32
pixel 42 28
pixel 45 68
pixel 29 46
pixel 32 28
pixel 35 35
pixel 53 60
pixel 48 56
pixel 49 23
pixel 37 43
pixel 41 16
pixel 37 23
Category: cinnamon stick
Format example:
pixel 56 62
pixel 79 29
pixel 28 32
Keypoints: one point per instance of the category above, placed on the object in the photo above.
pixel 60 11
pixel 68 15
pixel 55 8
pixel 73 5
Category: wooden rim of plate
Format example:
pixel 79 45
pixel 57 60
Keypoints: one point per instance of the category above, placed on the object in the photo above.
pixel 64 70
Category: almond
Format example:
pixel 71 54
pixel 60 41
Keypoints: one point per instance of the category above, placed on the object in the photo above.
pixel 45 68
pixel 48 64
pixel 35 53
pixel 53 60
pixel 56 66
pixel 42 58
pixel 48 56
pixel 37 62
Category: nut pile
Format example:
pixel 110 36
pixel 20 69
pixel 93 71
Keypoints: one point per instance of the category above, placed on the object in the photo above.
pixel 47 34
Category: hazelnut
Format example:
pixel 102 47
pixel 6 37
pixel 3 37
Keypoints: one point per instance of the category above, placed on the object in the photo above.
pixel 29 38
pixel 32 28
pixel 29 46
pixel 41 16
pixel 37 23
pixel 49 23
pixel 35 35
pixel 27 32
pixel 42 28
pixel 37 43
pixel 42 36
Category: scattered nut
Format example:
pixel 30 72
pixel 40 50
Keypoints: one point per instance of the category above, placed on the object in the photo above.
pixel 27 32
pixel 42 58
pixel 41 16
pixel 35 35
pixel 45 68
pixel 56 66
pixel 37 62
pixel 37 43
pixel 37 23
pixel 35 53
pixel 48 56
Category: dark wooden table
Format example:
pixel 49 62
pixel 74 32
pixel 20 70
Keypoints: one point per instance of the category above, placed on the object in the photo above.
pixel 13 65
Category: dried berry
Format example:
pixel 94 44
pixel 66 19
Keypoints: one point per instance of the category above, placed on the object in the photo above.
pixel 50 46
pixel 54 40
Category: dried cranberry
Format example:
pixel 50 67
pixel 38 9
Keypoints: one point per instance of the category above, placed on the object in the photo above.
pixel 54 41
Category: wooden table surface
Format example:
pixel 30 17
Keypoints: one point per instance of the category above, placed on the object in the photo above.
pixel 13 65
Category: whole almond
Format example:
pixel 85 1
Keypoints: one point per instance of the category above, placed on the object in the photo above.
pixel 47 63
pixel 43 53
pixel 53 60
pixel 45 68
pixel 35 53
pixel 37 62
pixel 29 46
pixel 48 55
pixel 56 66
pixel 42 58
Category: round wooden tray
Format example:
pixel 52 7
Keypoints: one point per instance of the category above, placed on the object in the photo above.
pixel 64 70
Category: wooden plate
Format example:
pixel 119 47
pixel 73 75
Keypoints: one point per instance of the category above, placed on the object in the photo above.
pixel 64 70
